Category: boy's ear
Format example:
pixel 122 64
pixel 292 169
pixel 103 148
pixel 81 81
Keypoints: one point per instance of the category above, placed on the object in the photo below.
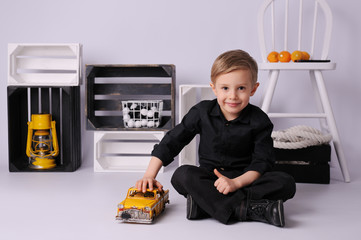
pixel 254 88
pixel 213 87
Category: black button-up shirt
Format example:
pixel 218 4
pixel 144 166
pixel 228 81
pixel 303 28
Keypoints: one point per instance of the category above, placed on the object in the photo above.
pixel 243 144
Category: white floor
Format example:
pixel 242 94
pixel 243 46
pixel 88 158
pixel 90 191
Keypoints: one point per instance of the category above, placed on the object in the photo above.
pixel 82 205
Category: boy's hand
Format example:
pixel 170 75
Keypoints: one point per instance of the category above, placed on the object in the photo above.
pixel 224 184
pixel 146 182
pixel 148 179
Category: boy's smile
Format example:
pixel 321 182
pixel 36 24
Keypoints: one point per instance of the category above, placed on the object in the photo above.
pixel 233 91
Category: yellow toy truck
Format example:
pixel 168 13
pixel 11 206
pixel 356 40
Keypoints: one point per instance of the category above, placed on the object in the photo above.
pixel 139 207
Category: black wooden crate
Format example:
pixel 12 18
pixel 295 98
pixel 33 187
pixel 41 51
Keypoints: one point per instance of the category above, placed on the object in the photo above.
pixel 306 165
pixel 63 102
pixel 108 85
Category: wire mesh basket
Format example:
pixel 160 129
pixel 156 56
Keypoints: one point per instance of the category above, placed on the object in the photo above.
pixel 142 114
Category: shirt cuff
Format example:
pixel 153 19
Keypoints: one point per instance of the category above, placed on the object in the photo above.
pixel 162 155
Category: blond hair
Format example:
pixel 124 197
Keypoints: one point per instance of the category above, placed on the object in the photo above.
pixel 234 60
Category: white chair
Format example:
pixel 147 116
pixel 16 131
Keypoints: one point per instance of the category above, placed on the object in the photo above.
pixel 268 34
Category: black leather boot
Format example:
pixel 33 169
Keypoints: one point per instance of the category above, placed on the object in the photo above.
pixel 264 210
pixel 193 210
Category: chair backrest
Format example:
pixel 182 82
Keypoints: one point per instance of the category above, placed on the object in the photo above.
pixel 297 22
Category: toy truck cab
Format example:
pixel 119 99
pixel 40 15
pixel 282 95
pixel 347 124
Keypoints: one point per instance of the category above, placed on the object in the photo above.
pixel 142 207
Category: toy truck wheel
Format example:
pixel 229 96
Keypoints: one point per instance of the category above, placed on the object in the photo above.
pixel 153 217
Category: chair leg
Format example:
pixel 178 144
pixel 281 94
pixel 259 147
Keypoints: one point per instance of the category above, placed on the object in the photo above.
pixel 273 77
pixel 323 121
pixel 332 125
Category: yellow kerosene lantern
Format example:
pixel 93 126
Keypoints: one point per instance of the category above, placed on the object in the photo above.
pixel 42 143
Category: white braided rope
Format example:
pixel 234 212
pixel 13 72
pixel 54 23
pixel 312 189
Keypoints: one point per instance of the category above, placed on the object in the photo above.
pixel 299 137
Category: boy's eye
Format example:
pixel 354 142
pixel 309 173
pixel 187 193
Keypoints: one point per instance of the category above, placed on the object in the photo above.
pixel 242 88
pixel 225 88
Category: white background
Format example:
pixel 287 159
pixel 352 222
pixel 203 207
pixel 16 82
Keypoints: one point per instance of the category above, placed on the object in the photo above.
pixel 189 34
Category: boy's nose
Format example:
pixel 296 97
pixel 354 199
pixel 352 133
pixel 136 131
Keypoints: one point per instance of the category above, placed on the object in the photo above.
pixel 232 94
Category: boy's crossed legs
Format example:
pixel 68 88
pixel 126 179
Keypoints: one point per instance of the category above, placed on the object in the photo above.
pixel 197 184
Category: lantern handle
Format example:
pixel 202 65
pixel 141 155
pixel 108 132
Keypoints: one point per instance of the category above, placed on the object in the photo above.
pixel 30 136
pixel 55 152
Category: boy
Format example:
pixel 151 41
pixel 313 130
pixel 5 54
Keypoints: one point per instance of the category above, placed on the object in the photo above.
pixel 234 180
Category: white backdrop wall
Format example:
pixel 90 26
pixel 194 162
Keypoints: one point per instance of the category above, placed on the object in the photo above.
pixel 189 34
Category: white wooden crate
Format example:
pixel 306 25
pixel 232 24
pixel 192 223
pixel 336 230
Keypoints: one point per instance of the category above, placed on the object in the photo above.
pixel 190 95
pixel 124 151
pixel 44 64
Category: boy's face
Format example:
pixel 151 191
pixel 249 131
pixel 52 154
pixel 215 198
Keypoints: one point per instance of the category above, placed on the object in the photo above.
pixel 233 91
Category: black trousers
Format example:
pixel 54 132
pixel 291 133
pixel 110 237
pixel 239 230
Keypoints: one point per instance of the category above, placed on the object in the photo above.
pixel 199 183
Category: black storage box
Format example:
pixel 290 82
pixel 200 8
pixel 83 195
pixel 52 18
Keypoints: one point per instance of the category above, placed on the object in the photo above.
pixel 63 103
pixel 306 165
pixel 108 85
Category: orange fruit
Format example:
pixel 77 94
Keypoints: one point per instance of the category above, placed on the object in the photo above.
pixel 272 57
pixel 305 56
pixel 284 56
pixel 296 55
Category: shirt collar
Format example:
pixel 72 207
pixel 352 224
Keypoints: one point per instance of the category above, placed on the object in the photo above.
pixel 244 117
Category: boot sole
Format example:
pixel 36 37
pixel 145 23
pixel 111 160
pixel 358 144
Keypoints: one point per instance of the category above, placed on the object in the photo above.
pixel 280 213
pixel 190 206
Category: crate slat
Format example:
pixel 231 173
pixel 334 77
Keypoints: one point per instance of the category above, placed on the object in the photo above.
pixel 115 123
pixel 47 64
pixel 116 105
pixel 132 89
pixel 46 79
pixel 129 71
pixel 44 50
